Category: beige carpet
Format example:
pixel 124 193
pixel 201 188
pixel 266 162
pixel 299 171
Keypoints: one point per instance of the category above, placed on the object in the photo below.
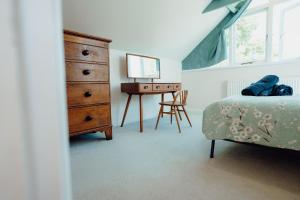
pixel 165 165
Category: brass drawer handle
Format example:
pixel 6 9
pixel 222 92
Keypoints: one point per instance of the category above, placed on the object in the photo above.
pixel 88 118
pixel 87 94
pixel 86 72
pixel 157 87
pixel 85 52
pixel 145 87
pixel 168 86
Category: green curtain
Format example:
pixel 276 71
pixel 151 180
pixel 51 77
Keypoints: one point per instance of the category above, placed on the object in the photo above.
pixel 212 49
pixel 216 4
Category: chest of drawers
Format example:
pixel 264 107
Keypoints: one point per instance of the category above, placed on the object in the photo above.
pixel 88 84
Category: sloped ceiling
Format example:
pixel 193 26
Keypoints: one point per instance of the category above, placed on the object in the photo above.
pixel 162 28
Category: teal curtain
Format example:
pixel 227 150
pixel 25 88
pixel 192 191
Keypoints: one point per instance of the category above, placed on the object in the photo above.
pixel 213 49
pixel 216 4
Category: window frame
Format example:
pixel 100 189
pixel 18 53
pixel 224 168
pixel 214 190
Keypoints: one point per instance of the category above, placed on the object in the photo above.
pixel 269 9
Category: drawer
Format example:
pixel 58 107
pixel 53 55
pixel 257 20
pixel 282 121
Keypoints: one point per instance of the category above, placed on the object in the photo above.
pixel 177 86
pixel 87 72
pixel 87 93
pixel 74 51
pixel 158 87
pixel 86 118
pixel 145 87
pixel 168 87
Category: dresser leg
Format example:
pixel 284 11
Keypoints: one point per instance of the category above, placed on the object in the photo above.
pixel 108 134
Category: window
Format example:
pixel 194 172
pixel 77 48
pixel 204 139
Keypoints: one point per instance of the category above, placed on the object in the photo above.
pixel 250 42
pixel 285 30
pixel 267 32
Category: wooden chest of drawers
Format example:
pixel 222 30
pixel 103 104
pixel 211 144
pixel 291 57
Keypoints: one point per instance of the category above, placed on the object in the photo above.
pixel 88 86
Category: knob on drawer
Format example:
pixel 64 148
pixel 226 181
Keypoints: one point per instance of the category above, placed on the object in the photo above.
pixel 87 94
pixel 86 72
pixel 157 87
pixel 145 87
pixel 88 118
pixel 85 52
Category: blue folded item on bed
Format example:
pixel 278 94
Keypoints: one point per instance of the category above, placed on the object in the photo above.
pixel 261 88
pixel 282 90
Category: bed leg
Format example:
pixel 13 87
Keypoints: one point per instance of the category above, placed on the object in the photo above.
pixel 212 149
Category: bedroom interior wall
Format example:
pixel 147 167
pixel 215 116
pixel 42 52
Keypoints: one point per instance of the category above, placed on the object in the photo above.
pixel 170 72
pixel 209 85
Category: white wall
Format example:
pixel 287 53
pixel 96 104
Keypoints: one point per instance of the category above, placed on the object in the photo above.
pixel 13 173
pixel 170 72
pixel 208 85
pixel 34 143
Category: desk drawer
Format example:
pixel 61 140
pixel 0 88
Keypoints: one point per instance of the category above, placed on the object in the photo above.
pixel 86 118
pixel 158 87
pixel 145 87
pixel 168 87
pixel 86 72
pixel 87 93
pixel 177 86
pixel 74 51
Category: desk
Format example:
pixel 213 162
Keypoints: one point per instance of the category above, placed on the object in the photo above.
pixel 141 89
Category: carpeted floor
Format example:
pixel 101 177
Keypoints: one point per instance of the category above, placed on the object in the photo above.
pixel 166 165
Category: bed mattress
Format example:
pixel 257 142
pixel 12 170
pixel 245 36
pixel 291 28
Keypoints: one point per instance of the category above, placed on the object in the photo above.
pixel 269 121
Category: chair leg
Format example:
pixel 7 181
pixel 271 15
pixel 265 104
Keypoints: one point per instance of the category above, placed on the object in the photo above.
pixel 158 117
pixel 177 121
pixel 187 116
pixel 177 108
pixel 171 111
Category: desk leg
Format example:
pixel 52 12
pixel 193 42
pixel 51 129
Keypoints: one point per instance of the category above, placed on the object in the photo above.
pixel 126 109
pixel 141 113
pixel 162 100
pixel 173 94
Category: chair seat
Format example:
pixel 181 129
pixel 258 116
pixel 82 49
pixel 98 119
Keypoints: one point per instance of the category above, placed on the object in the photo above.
pixel 171 103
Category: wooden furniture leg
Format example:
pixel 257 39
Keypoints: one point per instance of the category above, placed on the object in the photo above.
pixel 173 94
pixel 177 120
pixel 126 109
pixel 171 111
pixel 141 113
pixel 108 134
pixel 179 113
pixel 162 100
pixel 186 115
pixel 159 115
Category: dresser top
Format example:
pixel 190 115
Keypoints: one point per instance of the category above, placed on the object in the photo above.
pixel 86 36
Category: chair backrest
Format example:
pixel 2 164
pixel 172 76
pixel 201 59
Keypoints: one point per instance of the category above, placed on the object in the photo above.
pixel 182 96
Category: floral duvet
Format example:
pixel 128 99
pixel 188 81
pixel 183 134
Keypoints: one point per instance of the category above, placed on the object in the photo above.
pixel 269 121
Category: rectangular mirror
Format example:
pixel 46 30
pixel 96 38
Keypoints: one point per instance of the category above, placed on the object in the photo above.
pixel 139 66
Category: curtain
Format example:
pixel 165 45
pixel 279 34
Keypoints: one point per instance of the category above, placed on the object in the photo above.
pixel 215 4
pixel 213 49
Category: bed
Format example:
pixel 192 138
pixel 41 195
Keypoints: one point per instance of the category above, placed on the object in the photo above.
pixel 268 121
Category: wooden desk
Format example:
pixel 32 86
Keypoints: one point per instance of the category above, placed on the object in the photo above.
pixel 141 89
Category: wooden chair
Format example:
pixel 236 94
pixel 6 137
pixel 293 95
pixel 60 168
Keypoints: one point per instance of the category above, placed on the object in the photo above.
pixel 175 107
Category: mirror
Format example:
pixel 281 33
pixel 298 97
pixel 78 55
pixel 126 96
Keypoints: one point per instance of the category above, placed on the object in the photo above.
pixel 142 66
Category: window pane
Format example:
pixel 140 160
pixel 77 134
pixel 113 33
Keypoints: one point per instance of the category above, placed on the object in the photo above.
pixel 251 38
pixel 286 31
